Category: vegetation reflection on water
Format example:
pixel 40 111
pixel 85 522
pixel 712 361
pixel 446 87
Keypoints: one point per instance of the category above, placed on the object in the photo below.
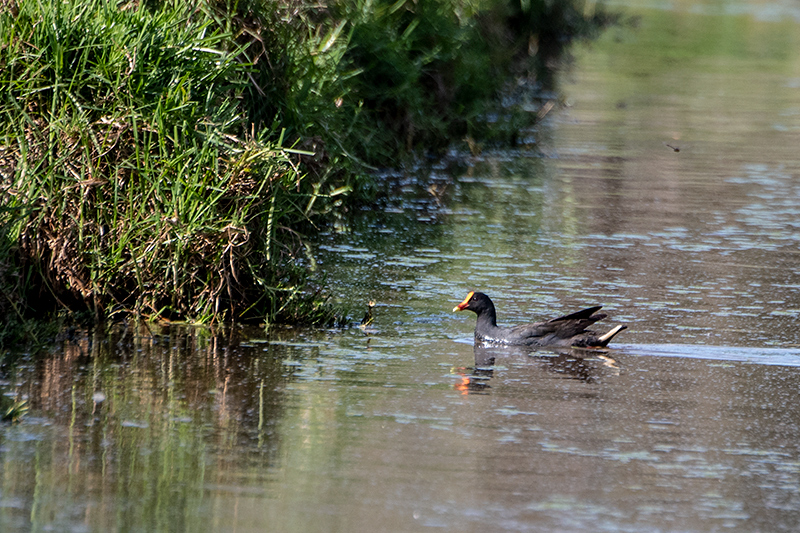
pixel 180 430
pixel 689 424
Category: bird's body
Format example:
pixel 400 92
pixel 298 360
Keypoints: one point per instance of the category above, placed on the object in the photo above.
pixel 565 331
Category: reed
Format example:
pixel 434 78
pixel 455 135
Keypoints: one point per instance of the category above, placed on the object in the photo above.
pixel 133 181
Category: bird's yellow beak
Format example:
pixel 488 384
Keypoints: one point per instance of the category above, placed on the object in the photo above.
pixel 464 304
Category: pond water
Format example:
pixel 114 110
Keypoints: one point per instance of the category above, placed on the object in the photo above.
pixel 666 186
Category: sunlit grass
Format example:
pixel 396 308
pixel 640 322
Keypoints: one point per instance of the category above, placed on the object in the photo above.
pixel 131 180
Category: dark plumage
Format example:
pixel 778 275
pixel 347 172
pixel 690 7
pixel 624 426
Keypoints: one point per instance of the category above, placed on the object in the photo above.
pixel 564 331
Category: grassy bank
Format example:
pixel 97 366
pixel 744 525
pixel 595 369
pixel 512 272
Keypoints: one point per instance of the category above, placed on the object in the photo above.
pixel 165 158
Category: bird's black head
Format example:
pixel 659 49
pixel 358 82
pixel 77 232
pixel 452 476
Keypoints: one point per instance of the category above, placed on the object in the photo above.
pixel 476 302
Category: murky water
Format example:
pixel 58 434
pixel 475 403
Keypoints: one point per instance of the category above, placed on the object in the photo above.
pixel 689 424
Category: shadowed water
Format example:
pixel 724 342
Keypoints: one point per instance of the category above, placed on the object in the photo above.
pixel 689 423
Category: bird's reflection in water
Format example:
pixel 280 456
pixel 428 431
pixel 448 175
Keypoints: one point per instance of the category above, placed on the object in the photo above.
pixel 475 380
pixel 571 363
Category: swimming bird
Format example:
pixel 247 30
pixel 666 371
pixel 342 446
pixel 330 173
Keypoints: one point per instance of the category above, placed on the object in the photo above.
pixel 564 331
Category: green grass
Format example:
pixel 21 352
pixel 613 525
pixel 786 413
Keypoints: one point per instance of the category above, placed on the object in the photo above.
pixel 134 180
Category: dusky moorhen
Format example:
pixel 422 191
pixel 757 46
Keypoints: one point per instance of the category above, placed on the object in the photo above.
pixel 564 331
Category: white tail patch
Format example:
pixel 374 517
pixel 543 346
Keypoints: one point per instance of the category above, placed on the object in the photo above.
pixel 608 336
